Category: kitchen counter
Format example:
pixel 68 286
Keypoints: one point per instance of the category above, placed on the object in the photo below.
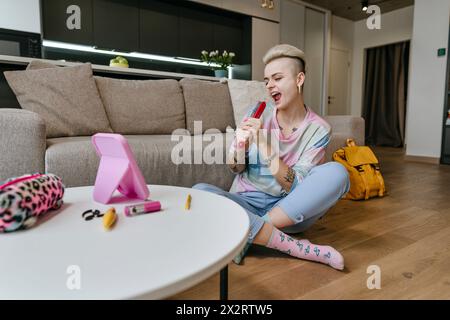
pixel 4 59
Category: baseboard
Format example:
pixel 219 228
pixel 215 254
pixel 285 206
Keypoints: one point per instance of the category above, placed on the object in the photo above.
pixel 429 160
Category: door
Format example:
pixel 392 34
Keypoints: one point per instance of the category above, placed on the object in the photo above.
pixel 338 82
pixel 315 59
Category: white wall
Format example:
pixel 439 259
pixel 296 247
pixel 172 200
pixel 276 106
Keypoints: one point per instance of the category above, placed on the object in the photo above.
pixel 427 73
pixel 22 15
pixel 396 26
pixel 342 33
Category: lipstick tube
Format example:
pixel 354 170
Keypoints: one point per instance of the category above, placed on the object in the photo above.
pixel 259 111
pixel 142 208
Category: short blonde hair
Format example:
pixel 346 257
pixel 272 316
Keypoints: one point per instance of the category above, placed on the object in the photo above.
pixel 286 51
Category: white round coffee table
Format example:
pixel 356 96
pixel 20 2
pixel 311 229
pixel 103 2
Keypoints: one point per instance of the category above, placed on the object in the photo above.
pixel 151 256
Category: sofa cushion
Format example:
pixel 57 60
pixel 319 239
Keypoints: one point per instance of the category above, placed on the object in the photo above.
pixel 137 106
pixel 209 102
pixel 349 126
pixel 337 141
pixel 343 128
pixel 66 98
pixel 75 161
pixel 142 106
pixel 39 64
pixel 244 95
pixel 22 143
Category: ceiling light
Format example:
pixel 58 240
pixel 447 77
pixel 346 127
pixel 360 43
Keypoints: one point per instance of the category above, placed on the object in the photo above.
pixel 364 5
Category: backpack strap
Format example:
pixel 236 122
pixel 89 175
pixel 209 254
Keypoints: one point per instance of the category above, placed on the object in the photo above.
pixel 366 185
pixel 380 180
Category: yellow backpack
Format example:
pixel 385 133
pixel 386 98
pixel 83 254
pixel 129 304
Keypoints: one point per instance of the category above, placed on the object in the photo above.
pixel 363 167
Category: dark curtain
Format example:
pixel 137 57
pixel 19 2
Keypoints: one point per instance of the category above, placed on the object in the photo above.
pixel 385 88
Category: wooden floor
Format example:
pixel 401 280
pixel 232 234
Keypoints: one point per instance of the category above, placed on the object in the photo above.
pixel 406 234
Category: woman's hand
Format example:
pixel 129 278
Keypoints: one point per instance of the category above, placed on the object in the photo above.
pixel 248 130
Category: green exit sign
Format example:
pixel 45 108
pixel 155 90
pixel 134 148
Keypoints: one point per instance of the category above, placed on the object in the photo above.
pixel 441 52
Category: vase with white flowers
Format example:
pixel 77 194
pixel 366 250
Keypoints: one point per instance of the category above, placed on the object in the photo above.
pixel 218 62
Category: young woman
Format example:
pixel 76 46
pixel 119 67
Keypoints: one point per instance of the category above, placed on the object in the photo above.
pixel 284 185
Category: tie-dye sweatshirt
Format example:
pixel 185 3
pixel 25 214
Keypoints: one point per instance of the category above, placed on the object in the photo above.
pixel 301 150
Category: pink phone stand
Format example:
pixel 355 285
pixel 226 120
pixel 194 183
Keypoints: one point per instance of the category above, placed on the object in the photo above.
pixel 117 170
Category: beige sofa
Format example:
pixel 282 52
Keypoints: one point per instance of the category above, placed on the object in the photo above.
pixel 146 112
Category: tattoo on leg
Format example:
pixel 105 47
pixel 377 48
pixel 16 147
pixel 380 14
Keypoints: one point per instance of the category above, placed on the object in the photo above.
pixel 290 175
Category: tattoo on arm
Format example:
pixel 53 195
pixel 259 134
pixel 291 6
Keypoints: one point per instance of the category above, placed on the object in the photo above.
pixel 290 175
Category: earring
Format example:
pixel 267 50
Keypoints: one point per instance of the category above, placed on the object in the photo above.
pixel 299 89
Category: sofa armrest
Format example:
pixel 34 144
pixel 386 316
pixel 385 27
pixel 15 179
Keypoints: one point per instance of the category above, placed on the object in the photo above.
pixel 22 143
pixel 349 127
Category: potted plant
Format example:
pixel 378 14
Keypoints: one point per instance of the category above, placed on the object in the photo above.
pixel 218 62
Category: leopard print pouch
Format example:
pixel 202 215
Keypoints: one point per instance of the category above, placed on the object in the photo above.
pixel 24 199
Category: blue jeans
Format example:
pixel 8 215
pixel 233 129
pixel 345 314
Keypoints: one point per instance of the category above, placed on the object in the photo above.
pixel 308 201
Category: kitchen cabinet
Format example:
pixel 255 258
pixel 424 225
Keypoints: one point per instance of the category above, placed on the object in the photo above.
pixel 196 32
pixel 266 9
pixel 255 8
pixel 306 29
pixel 266 34
pixel 228 36
pixel 292 23
pixel 213 3
pixel 55 16
pixel 315 38
pixel 159 28
pixel 116 24
pixel 168 28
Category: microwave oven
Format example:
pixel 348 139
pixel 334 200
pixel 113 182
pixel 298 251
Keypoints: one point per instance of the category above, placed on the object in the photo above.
pixel 20 43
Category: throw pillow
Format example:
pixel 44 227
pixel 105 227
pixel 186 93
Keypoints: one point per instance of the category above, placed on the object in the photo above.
pixel 245 95
pixel 38 64
pixel 66 98
pixel 142 106
pixel 209 102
